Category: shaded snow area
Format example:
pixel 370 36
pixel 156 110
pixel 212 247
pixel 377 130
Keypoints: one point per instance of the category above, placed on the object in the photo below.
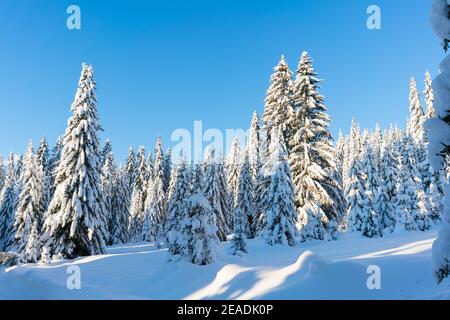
pixel 312 270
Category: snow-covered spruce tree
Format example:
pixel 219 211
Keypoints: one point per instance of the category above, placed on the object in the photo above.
pixel 150 227
pixel 429 96
pixel 253 147
pixel 43 161
pixel 277 222
pixel 417 117
pixel 244 199
pixel 406 197
pixel 75 222
pixel 131 167
pixel 371 220
pixel 138 196
pixel 197 178
pixel 198 235
pixel 160 188
pixel 439 134
pixel 351 151
pixel 238 242
pixel 312 222
pixel 216 192
pixel 388 175
pixel 54 159
pixel 106 151
pixel 30 210
pixel 107 186
pixel 376 139
pixel 311 147
pixel 18 172
pixel 434 200
pixel 120 208
pixel 149 169
pixel 8 204
pixel 354 195
pixel 2 173
pixel 177 212
pixel 233 165
pixel 278 107
pixel 339 154
pixel 167 168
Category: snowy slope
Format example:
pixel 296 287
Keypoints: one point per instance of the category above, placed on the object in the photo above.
pixel 314 270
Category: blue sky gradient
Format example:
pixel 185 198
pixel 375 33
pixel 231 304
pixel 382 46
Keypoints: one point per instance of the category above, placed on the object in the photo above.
pixel 160 65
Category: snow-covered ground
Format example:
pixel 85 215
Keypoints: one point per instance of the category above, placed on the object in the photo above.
pixel 314 270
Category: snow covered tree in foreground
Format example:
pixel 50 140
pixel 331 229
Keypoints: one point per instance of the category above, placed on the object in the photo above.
pixel 30 210
pixel 8 203
pixel 277 223
pixel 75 221
pixel 439 134
pixel 198 234
pixel 177 212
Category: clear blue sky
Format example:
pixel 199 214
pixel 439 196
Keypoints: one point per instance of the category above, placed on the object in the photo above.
pixel 160 65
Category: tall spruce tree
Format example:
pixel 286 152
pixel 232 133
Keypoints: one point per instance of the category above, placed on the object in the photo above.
pixel 75 221
pixel 311 155
pixel 278 107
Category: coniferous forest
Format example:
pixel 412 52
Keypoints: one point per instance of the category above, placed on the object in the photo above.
pixel 291 184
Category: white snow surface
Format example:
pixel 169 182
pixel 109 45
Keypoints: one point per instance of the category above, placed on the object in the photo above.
pixel 311 270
